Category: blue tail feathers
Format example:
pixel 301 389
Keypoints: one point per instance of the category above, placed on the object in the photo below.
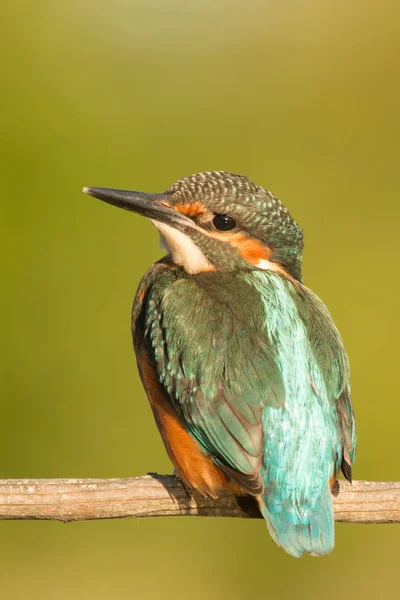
pixel 301 527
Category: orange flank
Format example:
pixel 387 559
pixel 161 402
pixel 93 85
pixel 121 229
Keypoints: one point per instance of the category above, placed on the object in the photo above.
pixel 140 295
pixel 332 481
pixel 194 467
pixel 191 209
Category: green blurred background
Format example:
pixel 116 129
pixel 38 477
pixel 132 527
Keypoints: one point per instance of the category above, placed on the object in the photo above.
pixel 301 97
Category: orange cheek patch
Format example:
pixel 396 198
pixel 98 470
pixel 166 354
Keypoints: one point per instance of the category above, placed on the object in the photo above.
pixel 254 252
pixel 250 249
pixel 191 209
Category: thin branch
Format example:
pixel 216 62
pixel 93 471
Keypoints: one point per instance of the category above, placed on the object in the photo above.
pixel 163 495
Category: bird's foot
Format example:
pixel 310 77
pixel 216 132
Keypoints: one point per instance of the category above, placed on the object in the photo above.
pixel 187 489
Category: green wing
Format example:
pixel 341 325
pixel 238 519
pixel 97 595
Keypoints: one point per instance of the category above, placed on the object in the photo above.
pixel 234 382
pixel 211 355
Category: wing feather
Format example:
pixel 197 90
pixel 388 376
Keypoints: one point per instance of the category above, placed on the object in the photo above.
pixel 216 344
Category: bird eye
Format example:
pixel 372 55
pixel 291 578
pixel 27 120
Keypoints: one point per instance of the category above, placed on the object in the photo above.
pixel 224 223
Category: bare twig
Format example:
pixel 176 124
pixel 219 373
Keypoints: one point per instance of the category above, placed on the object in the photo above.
pixel 163 495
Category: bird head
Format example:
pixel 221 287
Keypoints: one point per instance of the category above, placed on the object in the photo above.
pixel 218 221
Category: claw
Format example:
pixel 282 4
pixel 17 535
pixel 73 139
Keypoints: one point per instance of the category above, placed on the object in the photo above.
pixel 185 486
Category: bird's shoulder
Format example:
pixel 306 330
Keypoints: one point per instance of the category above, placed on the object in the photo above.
pixel 152 286
pixel 216 299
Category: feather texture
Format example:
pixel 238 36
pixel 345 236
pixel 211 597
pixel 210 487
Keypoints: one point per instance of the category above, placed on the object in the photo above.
pixel 304 441
pixel 257 374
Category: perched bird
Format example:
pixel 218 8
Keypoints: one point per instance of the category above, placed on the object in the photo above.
pixel 245 371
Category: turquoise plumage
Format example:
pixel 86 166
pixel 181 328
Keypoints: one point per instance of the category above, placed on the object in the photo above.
pixel 265 398
pixel 244 368
pixel 304 440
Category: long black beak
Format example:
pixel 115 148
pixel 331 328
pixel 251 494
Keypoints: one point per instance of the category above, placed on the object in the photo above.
pixel 152 206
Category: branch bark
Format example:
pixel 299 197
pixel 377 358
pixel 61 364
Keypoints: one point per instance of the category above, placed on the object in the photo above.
pixel 163 495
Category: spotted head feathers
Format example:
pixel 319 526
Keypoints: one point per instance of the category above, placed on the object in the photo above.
pixel 259 216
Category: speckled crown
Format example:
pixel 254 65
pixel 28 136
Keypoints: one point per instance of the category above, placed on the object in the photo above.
pixel 261 214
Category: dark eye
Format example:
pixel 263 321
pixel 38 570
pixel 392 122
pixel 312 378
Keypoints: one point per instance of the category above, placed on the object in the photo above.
pixel 224 223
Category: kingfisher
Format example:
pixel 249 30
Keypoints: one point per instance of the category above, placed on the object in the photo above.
pixel 246 374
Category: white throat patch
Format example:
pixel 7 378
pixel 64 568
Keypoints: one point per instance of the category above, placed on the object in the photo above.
pixel 183 251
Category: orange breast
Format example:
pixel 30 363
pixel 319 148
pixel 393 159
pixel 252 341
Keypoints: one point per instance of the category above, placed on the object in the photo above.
pixel 194 467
